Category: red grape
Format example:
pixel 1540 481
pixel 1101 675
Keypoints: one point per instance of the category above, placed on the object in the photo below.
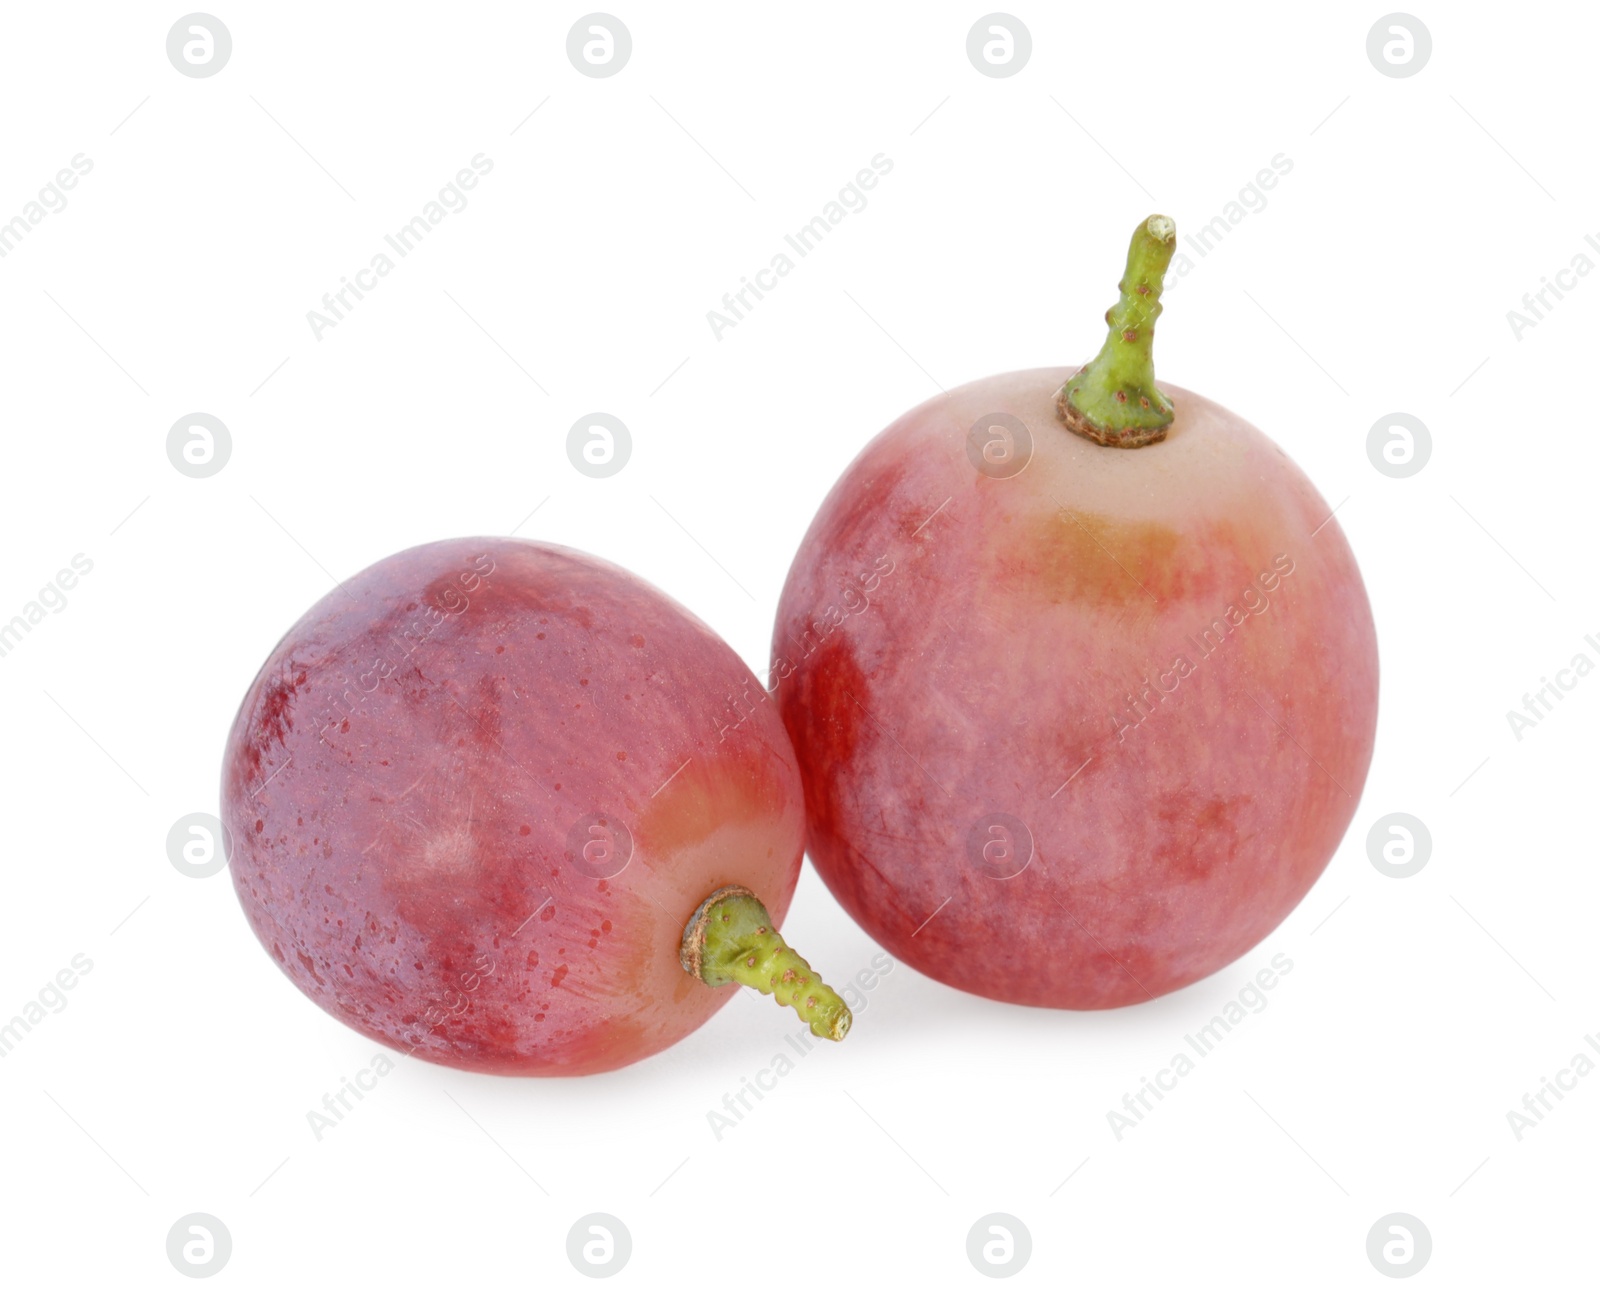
pixel 1079 721
pixel 479 791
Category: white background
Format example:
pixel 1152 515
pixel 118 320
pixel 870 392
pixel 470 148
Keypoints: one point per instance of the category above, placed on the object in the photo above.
pixel 1377 279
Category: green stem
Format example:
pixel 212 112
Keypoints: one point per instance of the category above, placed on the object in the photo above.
pixel 730 939
pixel 1113 399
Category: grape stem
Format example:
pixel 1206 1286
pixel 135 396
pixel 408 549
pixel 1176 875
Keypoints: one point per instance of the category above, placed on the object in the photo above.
pixel 1113 399
pixel 731 939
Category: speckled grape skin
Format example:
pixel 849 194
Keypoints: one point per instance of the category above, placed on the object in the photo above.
pixel 403 774
pixel 989 670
